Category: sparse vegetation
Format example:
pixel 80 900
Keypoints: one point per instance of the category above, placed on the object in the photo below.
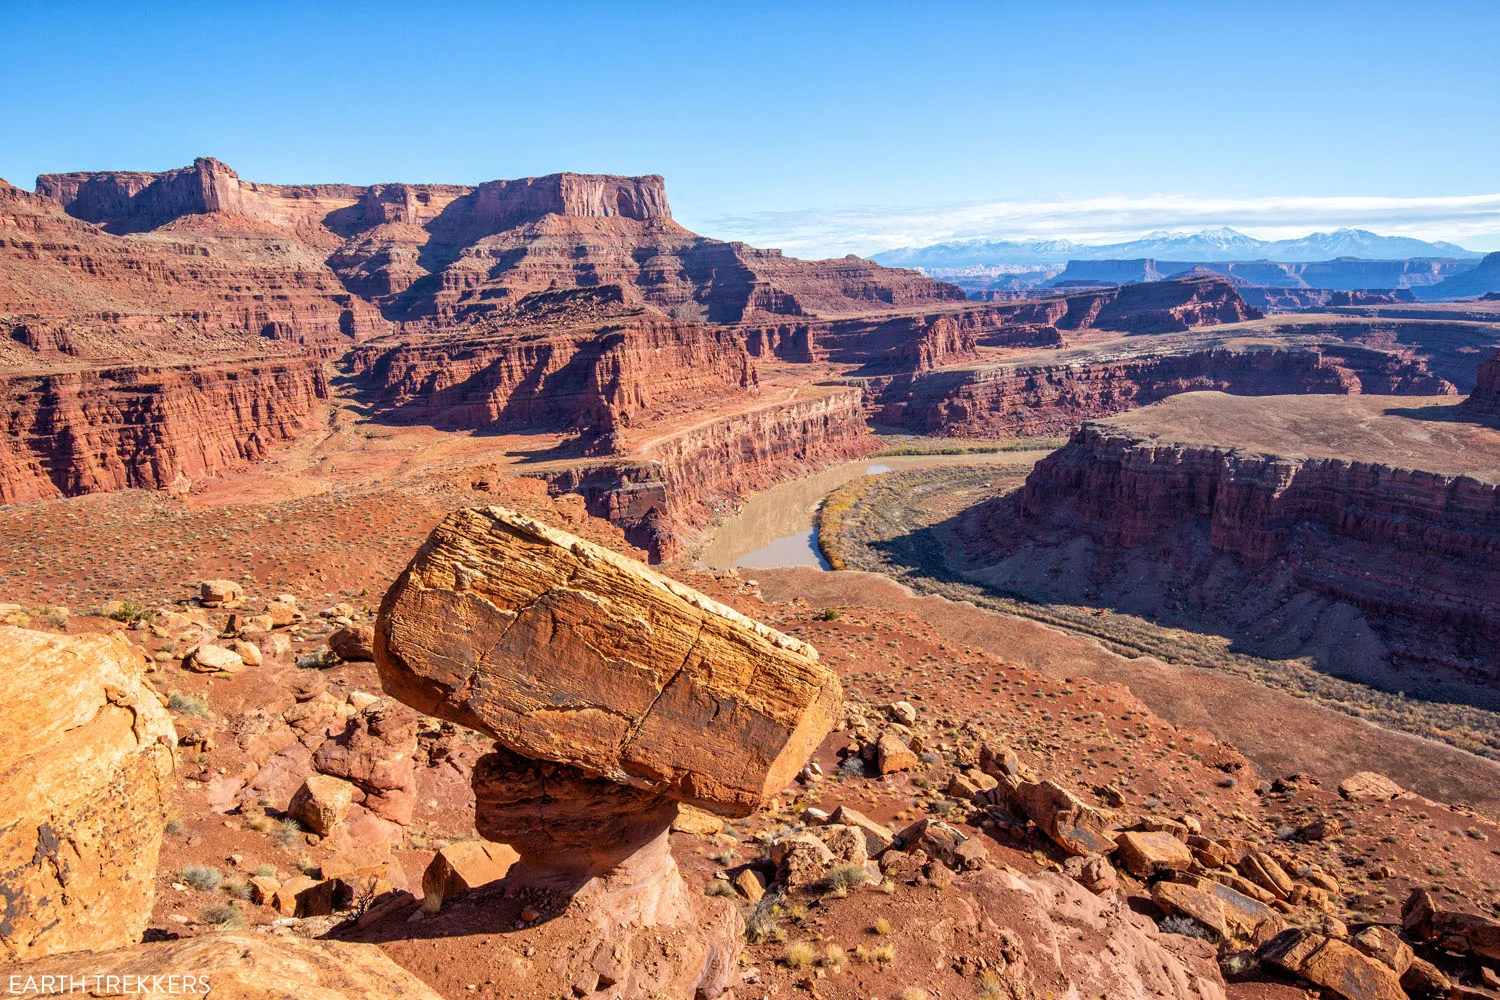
pixel 882 926
pixel 131 612
pixel 1186 926
pixel 188 704
pixel 798 955
pixel 222 915
pixel 719 887
pixel 201 877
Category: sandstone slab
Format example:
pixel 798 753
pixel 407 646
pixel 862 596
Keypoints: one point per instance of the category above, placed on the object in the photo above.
pixel 243 966
pixel 85 774
pixel 562 650
pixel 1146 852
pixel 465 865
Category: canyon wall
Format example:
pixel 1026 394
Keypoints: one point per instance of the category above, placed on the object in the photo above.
pixel 594 379
pixel 1484 401
pixel 1399 544
pixel 1155 307
pixel 1022 400
pixel 72 432
pixel 679 484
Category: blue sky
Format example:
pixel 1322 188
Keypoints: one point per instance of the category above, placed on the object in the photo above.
pixel 822 128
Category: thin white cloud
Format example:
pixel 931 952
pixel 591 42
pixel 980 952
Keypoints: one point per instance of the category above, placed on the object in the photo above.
pixel 1469 220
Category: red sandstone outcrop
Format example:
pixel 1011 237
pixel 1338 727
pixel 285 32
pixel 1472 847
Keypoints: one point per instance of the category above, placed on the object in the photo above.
pixel 1147 307
pixel 613 694
pixel 701 705
pixel 1003 400
pixel 682 479
pixel 1484 401
pixel 1402 545
pixel 596 378
pixel 86 754
pixel 82 431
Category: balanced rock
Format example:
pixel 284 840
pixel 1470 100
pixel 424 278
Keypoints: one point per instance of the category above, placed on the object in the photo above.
pixel 562 650
pixel 240 966
pixel 85 771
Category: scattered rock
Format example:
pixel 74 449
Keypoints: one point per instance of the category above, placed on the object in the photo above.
pixel 355 642
pixel 465 865
pixel 691 819
pixel 892 754
pixel 322 803
pixel 878 836
pixel 1093 872
pixel 1333 965
pixel 1146 852
pixel 751 884
pixel 903 712
pixel 1367 786
pixel 209 658
pixel 220 594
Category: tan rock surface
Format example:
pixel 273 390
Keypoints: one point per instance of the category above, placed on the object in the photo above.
pixel 245 966
pixel 85 771
pixel 562 650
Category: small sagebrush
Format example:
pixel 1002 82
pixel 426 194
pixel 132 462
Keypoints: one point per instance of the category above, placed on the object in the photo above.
pixel 201 877
pixel 221 915
pixel 187 704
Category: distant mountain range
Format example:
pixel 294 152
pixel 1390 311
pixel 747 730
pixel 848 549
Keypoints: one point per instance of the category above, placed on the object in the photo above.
pixel 1209 245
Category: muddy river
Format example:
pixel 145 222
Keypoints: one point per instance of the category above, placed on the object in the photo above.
pixel 775 528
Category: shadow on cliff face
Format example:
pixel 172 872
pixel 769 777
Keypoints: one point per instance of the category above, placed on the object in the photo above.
pixel 1178 599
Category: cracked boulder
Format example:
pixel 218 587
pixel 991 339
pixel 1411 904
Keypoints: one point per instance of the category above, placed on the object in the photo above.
pixel 85 771
pixel 564 651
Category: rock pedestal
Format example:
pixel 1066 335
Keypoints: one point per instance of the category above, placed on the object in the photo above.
pixel 613 695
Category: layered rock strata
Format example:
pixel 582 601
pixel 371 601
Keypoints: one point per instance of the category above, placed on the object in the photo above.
pixel 1005 400
pixel 679 482
pixel 86 757
pixel 1417 551
pixel 613 694
pixel 82 431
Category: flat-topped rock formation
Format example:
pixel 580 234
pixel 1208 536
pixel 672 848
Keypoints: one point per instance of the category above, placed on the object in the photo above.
pixel 1385 505
pixel 1052 392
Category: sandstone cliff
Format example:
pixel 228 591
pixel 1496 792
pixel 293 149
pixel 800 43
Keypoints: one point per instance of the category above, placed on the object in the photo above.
pixel 592 378
pixel 678 483
pixel 1416 551
pixel 82 431
pixel 1047 398
pixel 1146 307
pixel 1484 401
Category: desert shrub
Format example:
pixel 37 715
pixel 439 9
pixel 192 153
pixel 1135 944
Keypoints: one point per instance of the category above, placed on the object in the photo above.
pixel 265 871
pixel 834 957
pixel 991 986
pixel 853 766
pixel 131 612
pixel 883 954
pixel 719 887
pixel 764 922
pixel 882 926
pixel 830 615
pixel 799 955
pixel 202 877
pixel 843 878
pixel 288 832
pixel 173 827
pixel 187 704
pixel 238 888
pixel 221 915
pixel 915 993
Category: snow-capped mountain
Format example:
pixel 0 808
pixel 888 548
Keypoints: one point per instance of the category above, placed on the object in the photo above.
pixel 1223 244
